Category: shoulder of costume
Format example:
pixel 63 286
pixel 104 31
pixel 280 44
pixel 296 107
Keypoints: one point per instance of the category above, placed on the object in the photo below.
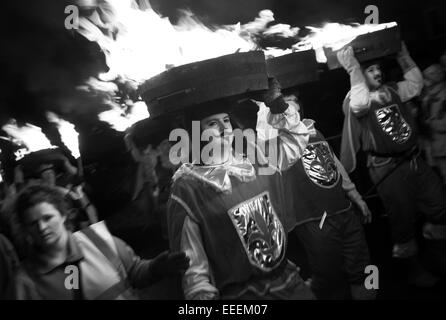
pixel 185 178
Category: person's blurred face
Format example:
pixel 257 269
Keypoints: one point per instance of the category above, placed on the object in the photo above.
pixel 220 127
pixel 373 76
pixel 163 151
pixel 433 75
pixel 45 224
pixel 293 101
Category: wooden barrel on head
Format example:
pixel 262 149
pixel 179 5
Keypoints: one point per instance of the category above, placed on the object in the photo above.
pixel 370 46
pixel 178 88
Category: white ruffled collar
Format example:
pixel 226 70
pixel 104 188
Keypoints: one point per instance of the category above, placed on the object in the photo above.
pixel 218 176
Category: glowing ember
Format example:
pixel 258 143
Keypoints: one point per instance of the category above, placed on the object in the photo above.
pixel 335 36
pixel 120 121
pixel 28 135
pixel 68 133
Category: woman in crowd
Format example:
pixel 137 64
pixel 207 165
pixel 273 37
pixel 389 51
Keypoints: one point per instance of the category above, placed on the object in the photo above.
pixel 89 264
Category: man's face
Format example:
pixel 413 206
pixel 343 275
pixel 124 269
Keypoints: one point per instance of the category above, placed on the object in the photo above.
pixel 45 224
pixel 373 76
pixel 217 129
pixel 220 127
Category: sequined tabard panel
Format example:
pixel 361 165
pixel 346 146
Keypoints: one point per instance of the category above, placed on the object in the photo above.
pixel 319 164
pixel 260 231
pixel 393 124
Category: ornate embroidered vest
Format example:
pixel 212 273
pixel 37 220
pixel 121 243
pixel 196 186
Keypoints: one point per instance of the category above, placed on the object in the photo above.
pixel 314 184
pixel 242 233
pixel 390 125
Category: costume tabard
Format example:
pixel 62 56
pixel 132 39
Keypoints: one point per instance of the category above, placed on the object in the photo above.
pixel 323 219
pixel 228 220
pixel 379 123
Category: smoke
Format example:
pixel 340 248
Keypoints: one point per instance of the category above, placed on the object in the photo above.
pixel 42 63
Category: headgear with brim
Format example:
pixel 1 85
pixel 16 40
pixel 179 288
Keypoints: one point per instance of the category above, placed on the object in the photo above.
pixel 239 111
pixel 368 63
pixel 32 161
pixel 245 114
pixel 204 110
pixel 151 131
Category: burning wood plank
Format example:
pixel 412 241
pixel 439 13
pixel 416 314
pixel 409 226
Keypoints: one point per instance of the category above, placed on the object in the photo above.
pixel 204 81
pixel 369 46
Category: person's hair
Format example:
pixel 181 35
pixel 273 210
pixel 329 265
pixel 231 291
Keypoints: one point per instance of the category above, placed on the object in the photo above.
pixel 368 63
pixel 37 193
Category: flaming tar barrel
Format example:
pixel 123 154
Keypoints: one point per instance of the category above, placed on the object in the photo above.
pixel 199 82
pixel 370 46
pixel 294 69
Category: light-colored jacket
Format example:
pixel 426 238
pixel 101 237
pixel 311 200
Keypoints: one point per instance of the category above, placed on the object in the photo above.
pixel 99 278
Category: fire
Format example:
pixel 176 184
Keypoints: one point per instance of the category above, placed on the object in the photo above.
pixel 69 135
pixel 28 135
pixel 120 121
pixel 139 44
pixel 335 36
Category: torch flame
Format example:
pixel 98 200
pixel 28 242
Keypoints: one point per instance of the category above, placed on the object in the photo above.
pixel 336 36
pixel 28 135
pixel 139 44
pixel 69 135
pixel 120 121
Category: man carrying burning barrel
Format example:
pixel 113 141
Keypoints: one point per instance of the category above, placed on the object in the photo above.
pixel 377 121
pixel 228 217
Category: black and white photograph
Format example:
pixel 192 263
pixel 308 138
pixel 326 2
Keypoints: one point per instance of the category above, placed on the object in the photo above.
pixel 225 150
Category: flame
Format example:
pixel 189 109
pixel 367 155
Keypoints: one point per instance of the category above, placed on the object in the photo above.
pixel 120 121
pixel 28 135
pixel 336 36
pixel 140 44
pixel 69 135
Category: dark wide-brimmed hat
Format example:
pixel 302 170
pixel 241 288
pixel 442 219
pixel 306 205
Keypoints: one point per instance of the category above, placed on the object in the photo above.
pixel 368 63
pixel 201 111
pixel 237 109
pixel 245 114
pixel 151 131
pixel 31 162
